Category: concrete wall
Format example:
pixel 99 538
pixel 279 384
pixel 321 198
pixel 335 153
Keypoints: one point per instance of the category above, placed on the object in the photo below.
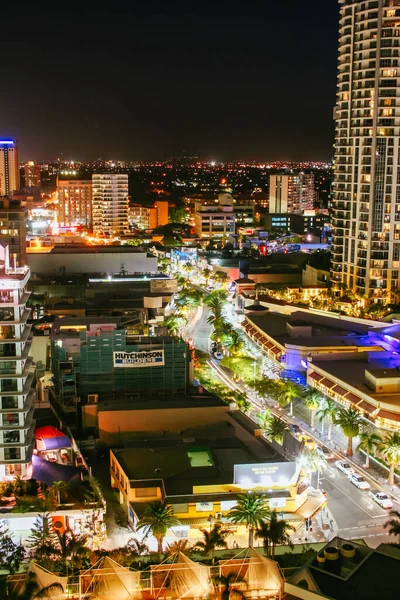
pixel 135 262
pixel 118 425
pixel 283 278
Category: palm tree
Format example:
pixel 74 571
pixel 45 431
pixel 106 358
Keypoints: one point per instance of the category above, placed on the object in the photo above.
pixel 312 399
pixel 390 450
pixel 207 272
pixel 157 519
pixel 275 532
pixel 369 441
pixel 58 489
pixel 175 324
pixel 240 399
pixel 178 546
pixel 233 342
pixel 231 584
pixel 276 430
pixel 264 419
pixel 394 524
pixel 328 411
pixel 350 422
pixel 71 550
pixel 213 539
pixel 313 461
pixel 250 509
pixel 290 391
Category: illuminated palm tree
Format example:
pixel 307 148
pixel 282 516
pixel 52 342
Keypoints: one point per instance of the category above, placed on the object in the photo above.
pixel 157 519
pixel 233 342
pixel 250 510
pixel 312 399
pixel 328 411
pixel 289 392
pixel 313 461
pixel 390 450
pixel 264 419
pixel 275 430
pixel 350 422
pixel 369 441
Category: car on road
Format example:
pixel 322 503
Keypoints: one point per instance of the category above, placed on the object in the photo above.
pixel 328 454
pixel 218 355
pixel 359 481
pixel 295 428
pixel 344 466
pixel 308 441
pixel 381 498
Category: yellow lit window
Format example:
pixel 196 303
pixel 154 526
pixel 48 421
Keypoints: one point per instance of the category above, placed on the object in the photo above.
pixel 389 72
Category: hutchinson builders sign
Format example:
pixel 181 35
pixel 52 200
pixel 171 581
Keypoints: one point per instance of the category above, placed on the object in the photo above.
pixel 148 358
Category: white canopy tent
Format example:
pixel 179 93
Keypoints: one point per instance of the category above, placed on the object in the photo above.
pixel 182 578
pixel 107 580
pixel 261 575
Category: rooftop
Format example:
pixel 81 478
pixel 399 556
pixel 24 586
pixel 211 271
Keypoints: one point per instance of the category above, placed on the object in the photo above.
pixel 202 456
pixel 352 373
pixel 369 575
pixel 325 332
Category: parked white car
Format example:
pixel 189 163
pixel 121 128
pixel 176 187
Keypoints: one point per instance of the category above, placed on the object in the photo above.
pixel 359 481
pixel 381 498
pixel 344 466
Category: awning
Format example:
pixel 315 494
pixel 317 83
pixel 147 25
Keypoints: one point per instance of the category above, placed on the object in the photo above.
pixel 275 350
pixel 366 407
pixel 51 438
pixel 49 472
pixel 258 335
pixel 315 376
pixel 327 383
pixel 263 340
pixel 352 398
pixel 385 414
pixel 339 390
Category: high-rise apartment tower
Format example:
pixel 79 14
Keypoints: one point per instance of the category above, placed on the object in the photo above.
pixel 9 167
pixel 291 193
pixel 110 204
pixel 366 193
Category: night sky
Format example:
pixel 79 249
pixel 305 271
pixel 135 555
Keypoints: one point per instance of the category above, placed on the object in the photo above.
pixel 253 80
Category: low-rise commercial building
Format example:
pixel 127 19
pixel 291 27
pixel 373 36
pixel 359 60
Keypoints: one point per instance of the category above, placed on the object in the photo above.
pixel 90 259
pixel 214 221
pixel 202 472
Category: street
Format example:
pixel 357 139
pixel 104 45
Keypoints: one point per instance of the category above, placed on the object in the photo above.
pixel 355 513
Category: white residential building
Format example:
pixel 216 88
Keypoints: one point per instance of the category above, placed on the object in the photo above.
pixel 110 204
pixel 366 192
pixel 16 372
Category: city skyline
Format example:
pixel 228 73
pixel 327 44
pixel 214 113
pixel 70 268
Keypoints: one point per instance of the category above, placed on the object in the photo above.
pixel 232 85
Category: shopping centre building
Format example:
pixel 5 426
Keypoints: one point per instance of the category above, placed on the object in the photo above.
pixel 355 362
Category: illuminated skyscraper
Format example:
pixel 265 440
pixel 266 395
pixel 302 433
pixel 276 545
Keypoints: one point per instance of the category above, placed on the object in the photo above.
pixel 291 193
pixel 366 193
pixel 110 204
pixel 9 167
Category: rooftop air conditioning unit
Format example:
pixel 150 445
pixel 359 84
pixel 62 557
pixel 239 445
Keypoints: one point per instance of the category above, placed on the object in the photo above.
pixel 93 398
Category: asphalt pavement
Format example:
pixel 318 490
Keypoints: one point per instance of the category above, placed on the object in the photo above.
pixel 355 513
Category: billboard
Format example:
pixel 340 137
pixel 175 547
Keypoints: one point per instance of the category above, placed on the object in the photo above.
pixel 146 358
pixel 266 475
pixel 163 286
